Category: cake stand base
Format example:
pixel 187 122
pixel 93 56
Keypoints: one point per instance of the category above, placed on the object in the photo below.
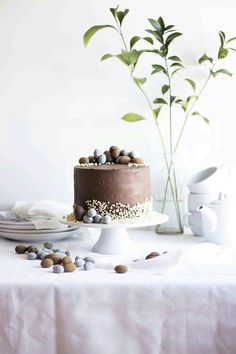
pixel 114 237
pixel 113 241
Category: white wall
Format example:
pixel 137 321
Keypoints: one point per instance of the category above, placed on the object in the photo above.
pixel 58 101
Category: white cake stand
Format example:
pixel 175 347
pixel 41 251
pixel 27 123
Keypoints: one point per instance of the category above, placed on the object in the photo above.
pixel 114 238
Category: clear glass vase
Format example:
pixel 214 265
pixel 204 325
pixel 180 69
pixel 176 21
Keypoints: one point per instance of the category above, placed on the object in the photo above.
pixel 170 195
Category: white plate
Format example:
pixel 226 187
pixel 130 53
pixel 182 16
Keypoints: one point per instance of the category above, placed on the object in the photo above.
pixel 48 231
pixel 43 236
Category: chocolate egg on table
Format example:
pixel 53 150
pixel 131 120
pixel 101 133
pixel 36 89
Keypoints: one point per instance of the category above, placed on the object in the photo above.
pixel 66 259
pixel 33 249
pixel 20 249
pixel 43 254
pixel 137 160
pixel 84 160
pixel 88 266
pixel 115 152
pixel 97 152
pixel 31 256
pixel 48 245
pixel 121 268
pixel 69 267
pixel 79 263
pixel 57 268
pixel 152 255
pixel 68 253
pixel 56 260
pixel 89 259
pixel 46 263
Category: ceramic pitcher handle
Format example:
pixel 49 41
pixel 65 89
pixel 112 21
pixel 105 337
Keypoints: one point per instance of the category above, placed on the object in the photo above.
pixel 226 170
pixel 186 219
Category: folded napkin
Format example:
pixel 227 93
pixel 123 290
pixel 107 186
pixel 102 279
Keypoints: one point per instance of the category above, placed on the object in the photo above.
pixel 41 208
pixel 204 259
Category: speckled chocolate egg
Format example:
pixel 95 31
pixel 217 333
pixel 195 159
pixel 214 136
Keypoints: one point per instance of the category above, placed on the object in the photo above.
pixel 57 268
pixel 115 152
pixel 84 160
pixel 66 260
pixel 137 160
pixel 92 159
pixel 97 152
pixel 20 249
pixel 46 263
pixel 33 249
pixel 79 212
pixel 56 260
pixel 31 256
pixel 108 156
pixel 87 219
pixel 121 268
pixel 101 159
pixel 69 267
pixel 152 255
pixel 124 160
pixel 106 219
pixel 124 153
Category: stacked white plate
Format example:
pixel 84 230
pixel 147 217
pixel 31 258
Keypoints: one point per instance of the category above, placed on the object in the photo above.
pixel 25 230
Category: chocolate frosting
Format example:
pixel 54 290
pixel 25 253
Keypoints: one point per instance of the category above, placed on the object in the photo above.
pixel 111 183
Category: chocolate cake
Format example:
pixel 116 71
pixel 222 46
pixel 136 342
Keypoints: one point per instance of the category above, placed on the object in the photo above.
pixel 115 189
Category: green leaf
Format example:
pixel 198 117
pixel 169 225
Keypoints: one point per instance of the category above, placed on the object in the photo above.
pixel 203 58
pixel 158 68
pixel 161 23
pixel 172 36
pixel 222 38
pixel 192 83
pixel 148 39
pixel 175 71
pixel 221 71
pixel 172 99
pixel 179 101
pixel 121 15
pixel 157 112
pixel 174 58
pixel 167 28
pixel 106 56
pixel 165 88
pixel 134 40
pixel 92 30
pixel 114 11
pixel 176 64
pixel 157 35
pixel 127 57
pixel 155 24
pixel 232 49
pixel 206 120
pixel 140 81
pixel 231 39
pixel 223 52
pixel 132 117
pixel 160 101
pixel 184 105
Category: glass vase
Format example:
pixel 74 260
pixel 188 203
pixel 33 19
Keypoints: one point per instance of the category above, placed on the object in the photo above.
pixel 170 195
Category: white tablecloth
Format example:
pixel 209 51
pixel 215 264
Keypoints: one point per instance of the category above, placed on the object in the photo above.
pixel 101 312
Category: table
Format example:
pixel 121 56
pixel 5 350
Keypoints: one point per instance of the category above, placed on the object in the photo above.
pixel 101 312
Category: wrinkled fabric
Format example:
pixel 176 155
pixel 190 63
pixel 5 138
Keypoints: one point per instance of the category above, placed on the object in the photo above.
pixel 50 208
pixel 166 307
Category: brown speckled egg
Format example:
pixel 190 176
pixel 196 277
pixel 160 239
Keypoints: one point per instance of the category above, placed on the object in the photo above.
pixel 121 268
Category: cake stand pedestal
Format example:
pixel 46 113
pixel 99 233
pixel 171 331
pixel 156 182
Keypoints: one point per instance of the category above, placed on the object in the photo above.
pixel 114 238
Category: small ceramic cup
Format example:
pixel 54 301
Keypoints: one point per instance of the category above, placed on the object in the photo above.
pixel 209 181
pixel 194 200
pixel 193 221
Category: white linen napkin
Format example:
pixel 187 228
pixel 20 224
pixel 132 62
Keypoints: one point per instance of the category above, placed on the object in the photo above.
pixel 44 214
pixel 41 208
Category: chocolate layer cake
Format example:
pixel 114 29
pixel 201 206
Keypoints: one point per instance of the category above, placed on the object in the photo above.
pixel 120 190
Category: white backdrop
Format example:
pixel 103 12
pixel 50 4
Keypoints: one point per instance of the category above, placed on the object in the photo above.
pixel 58 101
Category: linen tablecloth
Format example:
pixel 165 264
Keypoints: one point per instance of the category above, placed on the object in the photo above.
pixel 99 311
